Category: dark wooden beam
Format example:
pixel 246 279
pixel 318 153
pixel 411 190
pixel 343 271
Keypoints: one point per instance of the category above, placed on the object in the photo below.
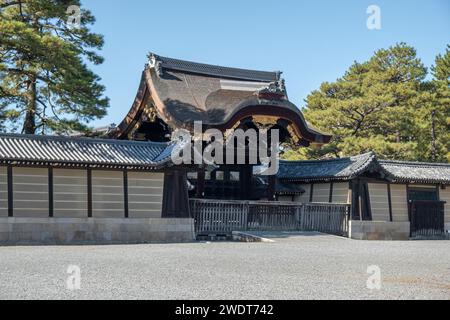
pixel 390 202
pixel 367 204
pixel 271 192
pixel 200 184
pixel 360 204
pixel 125 193
pixel 84 165
pixel 350 198
pixel 408 200
pixel 246 183
pixel 89 190
pixel 10 191
pixel 50 193
pixel 330 200
pixel 311 191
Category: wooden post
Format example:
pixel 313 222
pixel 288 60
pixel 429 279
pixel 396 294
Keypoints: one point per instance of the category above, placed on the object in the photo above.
pixel 125 193
pixel 330 200
pixel 200 185
pixel 271 193
pixel 50 193
pixel 245 211
pixel 390 202
pixel 360 202
pixel 246 182
pixel 89 190
pixel 408 199
pixel 10 191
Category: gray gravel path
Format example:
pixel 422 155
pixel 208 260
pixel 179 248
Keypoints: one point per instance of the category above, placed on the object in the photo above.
pixel 307 266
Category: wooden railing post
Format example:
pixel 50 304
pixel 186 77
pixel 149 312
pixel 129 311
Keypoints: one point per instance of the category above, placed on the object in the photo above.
pixel 245 212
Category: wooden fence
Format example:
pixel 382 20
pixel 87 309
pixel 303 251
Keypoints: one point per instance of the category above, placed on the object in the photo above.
pixel 223 217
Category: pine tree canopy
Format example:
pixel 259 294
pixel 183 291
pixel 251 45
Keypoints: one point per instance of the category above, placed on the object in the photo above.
pixel 386 105
pixel 46 85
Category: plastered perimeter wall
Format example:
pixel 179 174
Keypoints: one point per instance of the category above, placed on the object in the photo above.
pixel 379 201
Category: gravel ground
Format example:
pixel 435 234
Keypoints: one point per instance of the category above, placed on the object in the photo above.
pixel 306 266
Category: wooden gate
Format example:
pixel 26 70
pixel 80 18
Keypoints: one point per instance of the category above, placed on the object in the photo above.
pixel 224 217
pixel 427 219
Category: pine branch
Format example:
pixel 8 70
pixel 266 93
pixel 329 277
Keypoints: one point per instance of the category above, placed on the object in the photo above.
pixel 9 4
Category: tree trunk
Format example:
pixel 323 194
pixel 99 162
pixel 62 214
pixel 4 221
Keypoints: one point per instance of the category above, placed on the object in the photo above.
pixel 433 136
pixel 29 125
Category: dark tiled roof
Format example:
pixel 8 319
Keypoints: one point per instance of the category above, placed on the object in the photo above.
pixel 189 97
pixel 349 168
pixel 333 169
pixel 217 71
pixel 82 151
pixel 417 171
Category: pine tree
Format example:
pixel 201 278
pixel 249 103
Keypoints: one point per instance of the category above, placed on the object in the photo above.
pixel 439 109
pixel 45 82
pixel 383 105
pixel 441 69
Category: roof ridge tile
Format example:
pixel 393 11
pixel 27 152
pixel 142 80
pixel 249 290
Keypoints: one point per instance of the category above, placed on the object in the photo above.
pixel 80 139
pixel 414 163
pixel 215 70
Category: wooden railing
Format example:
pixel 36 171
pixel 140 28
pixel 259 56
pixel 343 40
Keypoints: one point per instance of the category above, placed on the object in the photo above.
pixel 223 217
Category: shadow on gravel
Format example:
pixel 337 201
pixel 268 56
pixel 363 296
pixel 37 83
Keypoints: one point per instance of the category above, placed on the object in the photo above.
pixel 285 234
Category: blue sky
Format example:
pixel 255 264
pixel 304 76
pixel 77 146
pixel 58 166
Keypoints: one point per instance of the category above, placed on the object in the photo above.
pixel 310 41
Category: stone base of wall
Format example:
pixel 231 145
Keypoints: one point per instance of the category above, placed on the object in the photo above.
pixel 61 231
pixel 379 230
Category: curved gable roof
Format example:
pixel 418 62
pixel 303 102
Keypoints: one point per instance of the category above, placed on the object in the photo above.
pixel 183 92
